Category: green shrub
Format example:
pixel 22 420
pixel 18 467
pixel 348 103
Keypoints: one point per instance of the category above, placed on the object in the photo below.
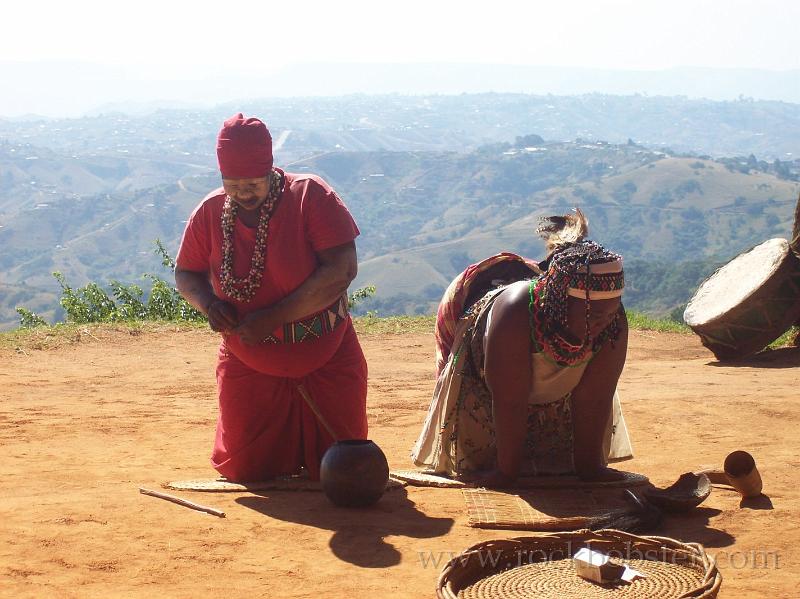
pixel 92 303
pixel 29 320
pixel 359 295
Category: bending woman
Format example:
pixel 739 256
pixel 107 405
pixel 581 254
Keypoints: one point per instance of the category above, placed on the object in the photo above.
pixel 529 382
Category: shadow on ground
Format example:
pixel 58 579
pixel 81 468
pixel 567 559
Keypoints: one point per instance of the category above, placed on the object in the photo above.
pixel 761 502
pixel 693 526
pixel 783 357
pixel 358 533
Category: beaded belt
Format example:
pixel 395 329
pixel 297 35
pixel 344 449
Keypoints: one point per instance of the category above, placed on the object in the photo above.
pixel 312 327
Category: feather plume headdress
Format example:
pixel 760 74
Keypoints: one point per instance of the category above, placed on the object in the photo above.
pixel 559 231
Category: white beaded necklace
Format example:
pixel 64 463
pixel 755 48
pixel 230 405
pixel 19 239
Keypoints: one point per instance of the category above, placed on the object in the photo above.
pixel 244 289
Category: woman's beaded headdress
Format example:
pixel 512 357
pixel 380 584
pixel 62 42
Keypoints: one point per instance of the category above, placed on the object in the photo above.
pixel 575 266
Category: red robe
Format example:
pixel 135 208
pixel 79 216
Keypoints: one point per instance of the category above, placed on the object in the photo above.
pixel 264 427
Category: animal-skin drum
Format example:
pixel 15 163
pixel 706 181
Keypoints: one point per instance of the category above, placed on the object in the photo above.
pixel 749 302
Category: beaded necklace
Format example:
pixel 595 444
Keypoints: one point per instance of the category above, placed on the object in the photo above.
pixel 244 289
pixel 547 339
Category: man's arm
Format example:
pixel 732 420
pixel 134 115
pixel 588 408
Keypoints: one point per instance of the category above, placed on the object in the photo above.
pixel 196 289
pixel 592 402
pixel 337 268
pixel 508 376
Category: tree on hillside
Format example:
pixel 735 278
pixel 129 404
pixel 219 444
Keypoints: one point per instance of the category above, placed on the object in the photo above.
pixel 527 141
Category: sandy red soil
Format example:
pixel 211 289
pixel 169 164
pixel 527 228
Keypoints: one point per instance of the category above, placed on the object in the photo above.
pixel 83 426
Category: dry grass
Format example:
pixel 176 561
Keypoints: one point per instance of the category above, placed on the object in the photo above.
pixel 63 335
pixel 397 325
pixel 643 322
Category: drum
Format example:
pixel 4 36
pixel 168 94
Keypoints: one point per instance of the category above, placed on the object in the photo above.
pixel 749 302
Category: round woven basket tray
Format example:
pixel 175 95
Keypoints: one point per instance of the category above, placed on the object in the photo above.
pixel 541 566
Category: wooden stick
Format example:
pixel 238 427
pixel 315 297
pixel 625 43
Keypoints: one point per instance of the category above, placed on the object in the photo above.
pixel 183 502
pixel 715 476
pixel 313 407
pixel 90 335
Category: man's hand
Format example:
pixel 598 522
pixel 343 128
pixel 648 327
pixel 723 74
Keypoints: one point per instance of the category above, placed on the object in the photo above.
pixel 256 326
pixel 222 316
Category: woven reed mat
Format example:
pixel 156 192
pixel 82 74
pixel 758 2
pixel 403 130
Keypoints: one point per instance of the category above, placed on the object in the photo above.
pixel 285 483
pixel 556 579
pixel 424 478
pixel 543 509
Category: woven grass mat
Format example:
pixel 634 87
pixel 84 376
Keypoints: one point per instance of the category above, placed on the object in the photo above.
pixel 288 483
pixel 423 478
pixel 543 509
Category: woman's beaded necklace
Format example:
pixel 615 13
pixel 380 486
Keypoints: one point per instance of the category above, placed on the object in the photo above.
pixel 547 340
pixel 244 289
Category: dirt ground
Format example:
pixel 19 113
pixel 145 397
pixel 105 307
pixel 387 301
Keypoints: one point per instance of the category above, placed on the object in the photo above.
pixel 83 426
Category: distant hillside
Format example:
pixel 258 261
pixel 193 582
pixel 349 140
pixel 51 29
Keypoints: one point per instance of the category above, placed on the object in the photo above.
pixel 435 183
pixel 767 129
pixel 35 177
pixel 425 216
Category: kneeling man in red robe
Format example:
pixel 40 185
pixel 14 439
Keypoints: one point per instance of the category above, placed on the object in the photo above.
pixel 268 258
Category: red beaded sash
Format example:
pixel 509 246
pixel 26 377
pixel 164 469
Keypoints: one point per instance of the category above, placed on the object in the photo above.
pixel 312 327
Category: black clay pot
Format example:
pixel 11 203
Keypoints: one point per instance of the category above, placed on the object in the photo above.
pixel 354 473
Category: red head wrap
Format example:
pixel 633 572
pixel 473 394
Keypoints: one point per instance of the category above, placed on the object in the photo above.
pixel 244 148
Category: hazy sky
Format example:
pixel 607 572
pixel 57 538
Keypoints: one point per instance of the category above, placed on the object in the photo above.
pixel 617 34
pixel 83 56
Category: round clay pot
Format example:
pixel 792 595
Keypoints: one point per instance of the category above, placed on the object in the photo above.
pixel 354 473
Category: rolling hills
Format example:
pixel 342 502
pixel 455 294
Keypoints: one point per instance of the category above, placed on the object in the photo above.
pixel 88 197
